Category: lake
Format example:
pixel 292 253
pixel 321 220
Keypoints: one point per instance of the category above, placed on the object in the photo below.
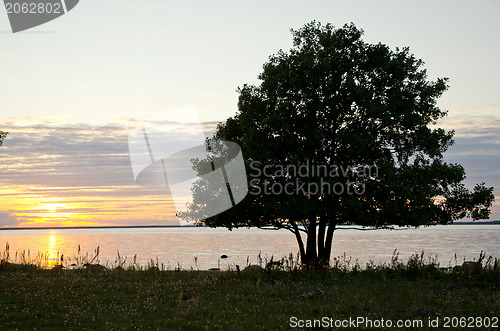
pixel 201 247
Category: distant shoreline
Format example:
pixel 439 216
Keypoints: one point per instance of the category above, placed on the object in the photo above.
pixel 497 222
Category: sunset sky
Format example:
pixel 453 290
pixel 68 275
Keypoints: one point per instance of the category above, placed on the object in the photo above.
pixel 72 90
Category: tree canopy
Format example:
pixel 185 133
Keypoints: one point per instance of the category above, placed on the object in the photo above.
pixel 341 131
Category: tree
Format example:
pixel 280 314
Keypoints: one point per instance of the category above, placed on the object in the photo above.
pixel 2 137
pixel 341 131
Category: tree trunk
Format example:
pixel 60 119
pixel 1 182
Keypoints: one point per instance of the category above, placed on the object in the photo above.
pixel 299 241
pixel 311 255
pixel 328 243
pixel 321 238
pixel 317 251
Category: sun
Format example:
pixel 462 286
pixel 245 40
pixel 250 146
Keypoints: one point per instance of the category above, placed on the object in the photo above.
pixel 53 207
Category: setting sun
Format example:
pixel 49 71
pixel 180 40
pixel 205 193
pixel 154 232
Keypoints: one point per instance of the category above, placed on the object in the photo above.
pixel 53 207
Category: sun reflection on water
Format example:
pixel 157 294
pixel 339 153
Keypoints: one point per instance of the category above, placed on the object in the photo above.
pixel 52 253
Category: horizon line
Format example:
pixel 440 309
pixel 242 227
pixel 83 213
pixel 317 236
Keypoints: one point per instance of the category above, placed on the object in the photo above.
pixel 497 222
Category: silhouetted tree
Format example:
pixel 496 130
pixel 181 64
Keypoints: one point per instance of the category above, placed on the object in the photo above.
pixel 357 120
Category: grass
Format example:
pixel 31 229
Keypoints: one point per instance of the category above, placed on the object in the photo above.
pixel 131 297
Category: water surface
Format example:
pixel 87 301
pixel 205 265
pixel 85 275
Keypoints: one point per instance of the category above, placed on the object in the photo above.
pixel 201 248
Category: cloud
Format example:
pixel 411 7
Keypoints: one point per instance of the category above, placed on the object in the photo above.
pixel 84 167
pixel 477 146
pixel 65 156
pixel 481 121
pixel 44 153
pixel 7 219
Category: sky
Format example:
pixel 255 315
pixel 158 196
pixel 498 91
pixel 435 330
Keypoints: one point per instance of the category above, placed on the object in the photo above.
pixel 71 90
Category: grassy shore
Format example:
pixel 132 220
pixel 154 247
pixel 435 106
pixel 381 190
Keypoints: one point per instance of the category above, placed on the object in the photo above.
pixel 271 298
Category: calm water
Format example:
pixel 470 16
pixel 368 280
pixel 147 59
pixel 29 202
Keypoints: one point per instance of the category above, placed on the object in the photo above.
pixel 183 245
